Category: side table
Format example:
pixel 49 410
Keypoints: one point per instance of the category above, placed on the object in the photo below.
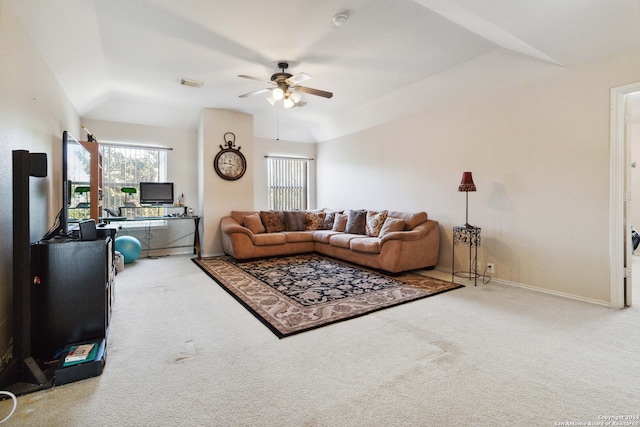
pixel 470 236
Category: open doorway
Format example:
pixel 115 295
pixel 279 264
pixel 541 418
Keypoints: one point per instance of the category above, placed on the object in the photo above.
pixel 625 113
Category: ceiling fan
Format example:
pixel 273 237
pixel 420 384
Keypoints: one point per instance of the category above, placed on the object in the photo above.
pixel 286 87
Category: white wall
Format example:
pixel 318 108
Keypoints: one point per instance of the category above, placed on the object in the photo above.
pixel 219 196
pixel 181 159
pixel 34 111
pixel 539 154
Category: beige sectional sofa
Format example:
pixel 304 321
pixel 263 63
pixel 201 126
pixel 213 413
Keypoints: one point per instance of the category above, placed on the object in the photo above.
pixel 390 241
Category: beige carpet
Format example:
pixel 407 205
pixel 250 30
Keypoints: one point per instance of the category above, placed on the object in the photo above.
pixel 183 352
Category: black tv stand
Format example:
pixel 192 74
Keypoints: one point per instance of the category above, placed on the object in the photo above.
pixel 71 293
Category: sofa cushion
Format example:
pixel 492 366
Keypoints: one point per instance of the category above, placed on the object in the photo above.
pixel 323 236
pixel 375 221
pixel 342 240
pixel 253 223
pixel 238 216
pixel 266 239
pixel 315 220
pixel 295 221
pixel 340 223
pixel 365 244
pixel 392 224
pixel 411 219
pixel 356 222
pixel 298 236
pixel 273 221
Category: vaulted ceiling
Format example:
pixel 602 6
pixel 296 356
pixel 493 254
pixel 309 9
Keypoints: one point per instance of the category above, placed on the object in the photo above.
pixel 122 60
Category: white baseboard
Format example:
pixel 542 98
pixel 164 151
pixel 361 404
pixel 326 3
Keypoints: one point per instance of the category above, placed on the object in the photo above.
pixel 543 290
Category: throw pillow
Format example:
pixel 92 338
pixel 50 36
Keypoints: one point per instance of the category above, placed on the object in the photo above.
pixel 375 221
pixel 356 222
pixel 392 224
pixel 329 217
pixel 254 223
pixel 273 221
pixel 295 221
pixel 340 223
pixel 315 220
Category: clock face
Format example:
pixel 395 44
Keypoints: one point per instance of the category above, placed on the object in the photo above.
pixel 230 164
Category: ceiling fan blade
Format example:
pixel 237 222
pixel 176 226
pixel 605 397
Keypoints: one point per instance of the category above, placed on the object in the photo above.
pixel 297 79
pixel 254 78
pixel 256 92
pixel 312 91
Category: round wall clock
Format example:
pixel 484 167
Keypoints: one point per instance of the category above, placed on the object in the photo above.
pixel 230 163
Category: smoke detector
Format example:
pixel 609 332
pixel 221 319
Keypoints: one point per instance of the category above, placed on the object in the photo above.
pixel 340 19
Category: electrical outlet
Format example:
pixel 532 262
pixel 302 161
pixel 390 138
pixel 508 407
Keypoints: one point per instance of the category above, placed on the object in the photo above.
pixel 490 268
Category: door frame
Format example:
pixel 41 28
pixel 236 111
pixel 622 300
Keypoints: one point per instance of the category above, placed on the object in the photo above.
pixel 620 237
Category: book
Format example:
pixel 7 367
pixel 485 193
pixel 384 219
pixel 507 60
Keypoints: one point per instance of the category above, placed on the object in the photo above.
pixel 80 353
pixel 97 352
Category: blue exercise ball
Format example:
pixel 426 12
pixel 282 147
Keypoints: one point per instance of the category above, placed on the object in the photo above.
pixel 129 247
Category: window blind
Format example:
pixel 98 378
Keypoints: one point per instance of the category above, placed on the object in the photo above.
pixel 288 183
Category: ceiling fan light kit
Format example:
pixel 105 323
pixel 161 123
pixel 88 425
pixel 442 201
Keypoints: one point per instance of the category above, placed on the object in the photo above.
pixel 295 97
pixel 277 93
pixel 286 87
pixel 288 103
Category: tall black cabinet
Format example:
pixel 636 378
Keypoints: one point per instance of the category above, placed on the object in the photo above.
pixel 71 293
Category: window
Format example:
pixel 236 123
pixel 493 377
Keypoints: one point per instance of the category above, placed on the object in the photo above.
pixel 127 166
pixel 288 181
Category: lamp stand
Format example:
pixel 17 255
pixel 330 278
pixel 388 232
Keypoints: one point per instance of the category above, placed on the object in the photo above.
pixel 466 224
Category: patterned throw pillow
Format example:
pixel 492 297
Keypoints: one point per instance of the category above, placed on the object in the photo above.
pixel 254 223
pixel 375 221
pixel 392 224
pixel 315 220
pixel 273 221
pixel 356 222
pixel 295 221
pixel 329 217
pixel 340 223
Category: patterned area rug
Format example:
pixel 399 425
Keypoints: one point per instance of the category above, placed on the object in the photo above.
pixel 298 293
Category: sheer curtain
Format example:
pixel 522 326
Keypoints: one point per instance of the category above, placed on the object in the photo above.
pixel 127 166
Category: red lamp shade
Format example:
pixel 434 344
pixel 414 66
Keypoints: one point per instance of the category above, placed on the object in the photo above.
pixel 467 182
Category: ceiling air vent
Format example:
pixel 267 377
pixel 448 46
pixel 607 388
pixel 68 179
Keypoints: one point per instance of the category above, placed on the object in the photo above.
pixel 189 82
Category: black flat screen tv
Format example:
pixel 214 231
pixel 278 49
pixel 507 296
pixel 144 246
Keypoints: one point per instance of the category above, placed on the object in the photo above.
pixel 76 171
pixel 156 193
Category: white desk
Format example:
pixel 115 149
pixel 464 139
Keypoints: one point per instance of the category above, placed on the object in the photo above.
pixel 150 214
